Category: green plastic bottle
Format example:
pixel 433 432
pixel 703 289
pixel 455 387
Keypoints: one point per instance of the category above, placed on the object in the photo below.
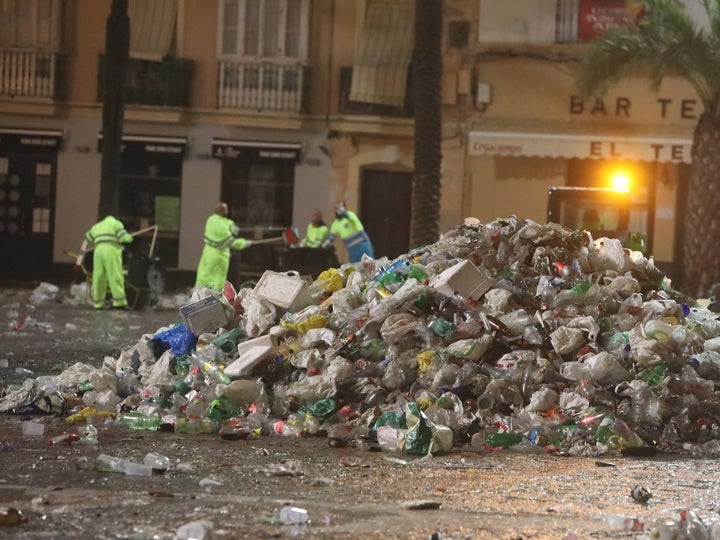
pixel 504 439
pixel 136 420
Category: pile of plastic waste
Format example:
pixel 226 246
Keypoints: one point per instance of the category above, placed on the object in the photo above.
pixel 507 334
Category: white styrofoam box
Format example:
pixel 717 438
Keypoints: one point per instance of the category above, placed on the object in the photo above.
pixel 464 279
pixel 287 291
pixel 250 354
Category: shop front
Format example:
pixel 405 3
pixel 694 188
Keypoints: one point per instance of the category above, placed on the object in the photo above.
pixel 631 139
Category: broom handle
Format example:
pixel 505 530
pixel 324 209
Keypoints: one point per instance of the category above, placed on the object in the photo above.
pixel 267 240
pixel 154 229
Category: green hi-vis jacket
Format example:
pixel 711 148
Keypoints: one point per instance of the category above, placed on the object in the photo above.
pixel 215 259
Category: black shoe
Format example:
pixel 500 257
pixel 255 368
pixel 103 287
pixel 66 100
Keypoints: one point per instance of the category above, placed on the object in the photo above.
pixel 121 308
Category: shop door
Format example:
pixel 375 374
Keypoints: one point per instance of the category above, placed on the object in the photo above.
pixel 27 207
pixel 385 202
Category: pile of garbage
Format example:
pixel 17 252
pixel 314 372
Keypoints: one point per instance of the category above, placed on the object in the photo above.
pixel 506 334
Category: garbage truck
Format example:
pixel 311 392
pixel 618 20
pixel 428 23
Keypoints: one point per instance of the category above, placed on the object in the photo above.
pixel 601 211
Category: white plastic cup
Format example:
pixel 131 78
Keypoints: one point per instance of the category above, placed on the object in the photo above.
pixel 31 428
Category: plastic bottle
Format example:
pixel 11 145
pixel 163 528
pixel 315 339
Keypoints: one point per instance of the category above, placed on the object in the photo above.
pixel 135 420
pixel 196 425
pixel 504 439
pixel 122 465
pixel 205 360
pixel 290 515
pixel 157 462
pixel 286 429
pixel 228 341
pixel 417 272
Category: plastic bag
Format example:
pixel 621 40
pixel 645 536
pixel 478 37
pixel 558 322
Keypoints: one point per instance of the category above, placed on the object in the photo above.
pixel 567 340
pixel 178 338
pixel 424 437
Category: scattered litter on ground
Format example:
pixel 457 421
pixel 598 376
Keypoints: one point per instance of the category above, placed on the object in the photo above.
pixel 504 336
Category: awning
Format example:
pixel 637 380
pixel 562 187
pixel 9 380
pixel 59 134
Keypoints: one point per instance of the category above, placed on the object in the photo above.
pixel 152 25
pixel 671 144
pixel 159 144
pixel 254 150
pixel 35 140
pixel 383 54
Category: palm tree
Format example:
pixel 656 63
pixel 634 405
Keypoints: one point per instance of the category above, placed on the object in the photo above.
pixel 664 41
pixel 427 72
pixel 117 45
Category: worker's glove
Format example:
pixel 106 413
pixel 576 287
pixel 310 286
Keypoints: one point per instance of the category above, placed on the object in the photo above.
pixel 327 243
pixel 235 230
pixel 248 243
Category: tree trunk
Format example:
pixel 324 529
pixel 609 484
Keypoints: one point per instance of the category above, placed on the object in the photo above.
pixel 427 72
pixel 701 255
pixel 117 47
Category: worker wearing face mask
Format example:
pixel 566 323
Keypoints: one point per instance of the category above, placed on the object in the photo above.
pixel 351 231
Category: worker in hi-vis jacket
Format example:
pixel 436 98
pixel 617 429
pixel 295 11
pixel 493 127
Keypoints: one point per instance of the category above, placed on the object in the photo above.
pixel 220 238
pixel 351 231
pixel 106 238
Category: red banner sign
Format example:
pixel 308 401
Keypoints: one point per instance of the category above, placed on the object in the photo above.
pixel 595 17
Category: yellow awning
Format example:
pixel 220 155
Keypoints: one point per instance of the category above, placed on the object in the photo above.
pixel 383 55
pixel 152 25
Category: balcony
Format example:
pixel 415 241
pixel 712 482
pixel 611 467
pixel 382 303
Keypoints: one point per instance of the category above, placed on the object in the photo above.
pixel 160 84
pixel 263 86
pixel 38 74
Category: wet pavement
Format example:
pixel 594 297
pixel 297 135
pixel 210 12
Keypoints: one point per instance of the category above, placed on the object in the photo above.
pixel 239 487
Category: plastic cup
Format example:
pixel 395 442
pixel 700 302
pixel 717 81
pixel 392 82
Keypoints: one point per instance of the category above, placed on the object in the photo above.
pixel 33 429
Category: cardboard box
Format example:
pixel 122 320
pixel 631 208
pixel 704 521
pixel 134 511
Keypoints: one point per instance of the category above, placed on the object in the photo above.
pixel 464 279
pixel 286 291
pixel 250 354
pixel 205 315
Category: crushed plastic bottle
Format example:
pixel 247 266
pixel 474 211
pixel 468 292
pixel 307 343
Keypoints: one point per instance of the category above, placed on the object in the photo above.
pixel 107 463
pixel 292 515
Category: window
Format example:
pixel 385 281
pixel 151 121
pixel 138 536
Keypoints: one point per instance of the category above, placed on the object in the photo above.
pixel 152 28
pixel 30 24
pixel 265 29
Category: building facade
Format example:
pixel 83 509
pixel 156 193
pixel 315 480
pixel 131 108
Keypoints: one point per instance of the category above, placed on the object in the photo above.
pixel 282 106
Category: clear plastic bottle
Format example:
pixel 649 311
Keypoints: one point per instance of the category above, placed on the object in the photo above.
pixel 196 425
pixel 205 360
pixel 157 462
pixel 290 515
pixel 286 429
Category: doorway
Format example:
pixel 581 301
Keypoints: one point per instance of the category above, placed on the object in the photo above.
pixel 385 204
pixel 27 207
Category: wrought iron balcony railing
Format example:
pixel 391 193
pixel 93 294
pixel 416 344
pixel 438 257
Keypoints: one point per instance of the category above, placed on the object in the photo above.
pixel 162 84
pixel 263 86
pixel 25 72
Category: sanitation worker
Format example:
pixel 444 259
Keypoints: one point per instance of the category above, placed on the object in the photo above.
pixel 220 238
pixel 317 232
pixel 106 238
pixel 351 231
